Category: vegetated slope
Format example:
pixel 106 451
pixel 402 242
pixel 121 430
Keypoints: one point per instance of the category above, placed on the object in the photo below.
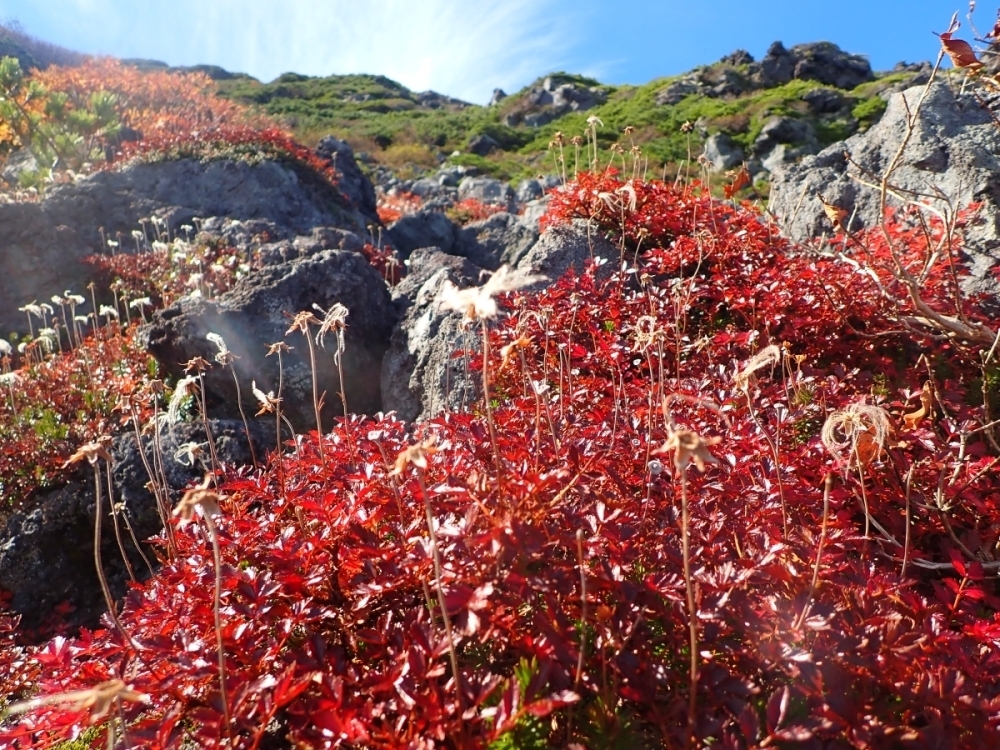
pixel 721 494
pixel 32 52
pixel 398 128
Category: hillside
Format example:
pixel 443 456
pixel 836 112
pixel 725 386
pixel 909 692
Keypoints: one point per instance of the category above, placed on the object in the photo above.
pixel 820 93
pixel 32 52
pixel 308 448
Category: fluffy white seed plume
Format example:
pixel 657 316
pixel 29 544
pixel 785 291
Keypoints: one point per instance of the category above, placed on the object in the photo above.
pixel 857 434
pixel 477 303
pixel 5 348
pixel 767 357
pixel 107 311
pixel 98 701
pixel 224 357
pixel 334 319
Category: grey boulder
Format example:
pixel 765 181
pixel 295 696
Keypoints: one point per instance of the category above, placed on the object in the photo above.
pixel 256 314
pixel 495 240
pixel 486 190
pixel 949 160
pixel 42 245
pixel 421 376
pixel 422 229
pixel 47 551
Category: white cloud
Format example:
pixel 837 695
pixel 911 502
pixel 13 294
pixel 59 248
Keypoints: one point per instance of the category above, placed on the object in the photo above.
pixel 456 48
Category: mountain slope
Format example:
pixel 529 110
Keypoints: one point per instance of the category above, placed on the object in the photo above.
pixel 819 93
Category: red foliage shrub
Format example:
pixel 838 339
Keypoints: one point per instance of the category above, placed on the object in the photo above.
pixel 397 205
pixel 49 409
pixel 470 209
pixel 177 115
pixel 563 572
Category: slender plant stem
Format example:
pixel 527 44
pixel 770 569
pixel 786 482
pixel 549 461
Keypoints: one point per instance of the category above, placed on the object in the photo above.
pixel 114 520
pixel 106 590
pixel 436 556
pixel 203 403
pixel 906 538
pixel 246 425
pixel 819 554
pixel 692 614
pixel 489 408
pixel 777 461
pixel 217 558
pixel 315 385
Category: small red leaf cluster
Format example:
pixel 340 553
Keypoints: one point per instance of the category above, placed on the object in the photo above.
pixel 560 540
pixel 392 207
pixel 471 209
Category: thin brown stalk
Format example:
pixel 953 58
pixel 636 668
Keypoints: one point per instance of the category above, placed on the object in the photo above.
pixel 114 520
pixel 906 539
pixel 691 739
pixel 436 556
pixel 819 554
pixel 105 589
pixel 239 405
pixel 216 607
pixel 583 629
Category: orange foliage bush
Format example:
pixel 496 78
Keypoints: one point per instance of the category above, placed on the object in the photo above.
pixel 154 103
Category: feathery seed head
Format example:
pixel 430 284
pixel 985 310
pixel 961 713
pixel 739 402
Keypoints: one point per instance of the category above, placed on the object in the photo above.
pixel 197 364
pixel 224 356
pixel 185 387
pixel 856 435
pixel 334 319
pixel 477 303
pixel 688 446
pixel 416 454
pixel 302 321
pixel 267 401
pixel 97 701
pixel 201 499
pixel 91 452
pixel 767 357
pixel 277 348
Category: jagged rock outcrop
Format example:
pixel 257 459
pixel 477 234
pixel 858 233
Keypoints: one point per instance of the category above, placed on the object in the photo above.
pixel 722 152
pixel 568 246
pixel 257 312
pixel 738 73
pixel 950 160
pixel 351 181
pixel 486 190
pixel 482 145
pixel 420 376
pixel 47 551
pixel 42 245
pixel 496 240
pixel 551 98
pixel 422 229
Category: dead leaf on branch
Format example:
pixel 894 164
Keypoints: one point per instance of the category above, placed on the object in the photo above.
pixel 961 53
pixel 910 421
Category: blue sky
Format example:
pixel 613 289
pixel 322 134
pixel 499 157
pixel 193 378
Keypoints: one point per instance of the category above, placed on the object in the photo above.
pixel 466 49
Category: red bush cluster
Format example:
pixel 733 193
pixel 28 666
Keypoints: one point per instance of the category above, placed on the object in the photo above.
pixel 471 209
pixel 397 205
pixel 561 546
